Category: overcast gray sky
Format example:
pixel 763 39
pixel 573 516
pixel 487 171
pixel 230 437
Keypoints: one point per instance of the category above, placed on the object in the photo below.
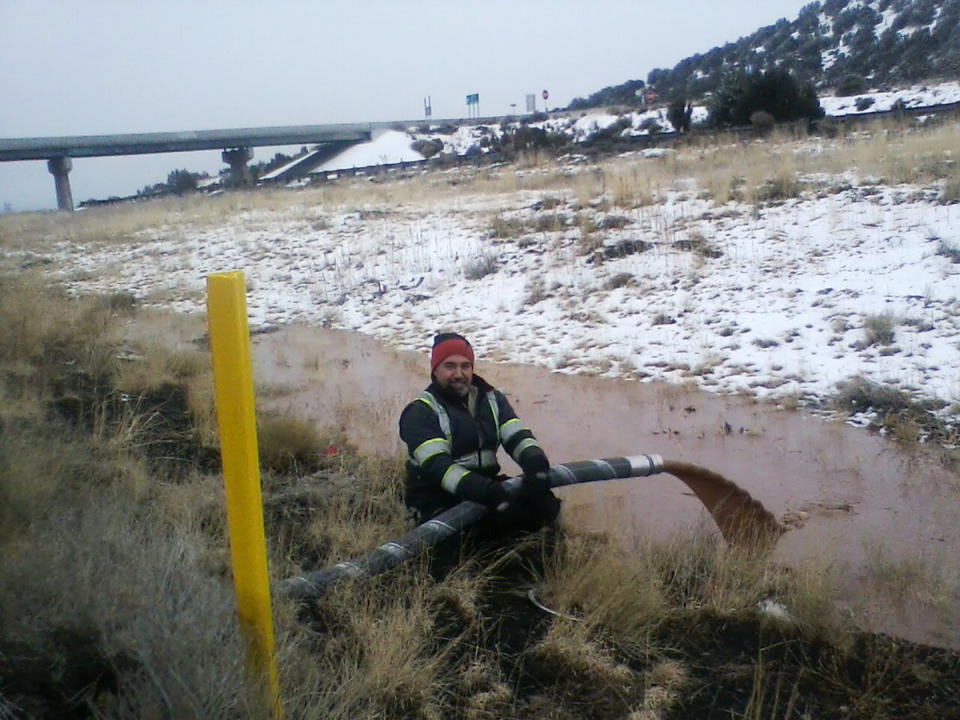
pixel 111 66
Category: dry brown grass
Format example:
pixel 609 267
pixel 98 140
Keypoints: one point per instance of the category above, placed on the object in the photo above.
pixel 907 579
pixel 376 660
pixel 135 576
pixel 950 193
pixel 630 184
pixel 631 594
pixel 39 323
pixel 121 587
pixel 574 656
pixel 286 442
pixel 604 587
pixel 148 365
pixel 886 151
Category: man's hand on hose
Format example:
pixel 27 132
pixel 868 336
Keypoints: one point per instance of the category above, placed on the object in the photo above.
pixel 486 491
pixel 495 497
pixel 536 483
pixel 536 472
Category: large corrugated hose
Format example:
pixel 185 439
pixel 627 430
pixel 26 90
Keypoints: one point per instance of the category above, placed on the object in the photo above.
pixel 742 520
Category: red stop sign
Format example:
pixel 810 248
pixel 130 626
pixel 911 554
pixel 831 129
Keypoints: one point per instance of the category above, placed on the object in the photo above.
pixel 545 94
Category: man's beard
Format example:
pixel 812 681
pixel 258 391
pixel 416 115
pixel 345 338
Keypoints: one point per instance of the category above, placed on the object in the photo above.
pixel 461 388
pixel 456 391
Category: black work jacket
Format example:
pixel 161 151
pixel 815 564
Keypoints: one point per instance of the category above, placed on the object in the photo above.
pixel 443 471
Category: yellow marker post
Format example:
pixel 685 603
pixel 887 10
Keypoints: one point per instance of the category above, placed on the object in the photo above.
pixel 233 378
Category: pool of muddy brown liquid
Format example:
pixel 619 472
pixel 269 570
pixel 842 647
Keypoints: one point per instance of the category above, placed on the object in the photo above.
pixel 883 519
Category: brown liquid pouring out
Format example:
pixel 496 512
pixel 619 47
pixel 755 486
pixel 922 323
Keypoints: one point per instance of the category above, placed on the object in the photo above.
pixel 743 520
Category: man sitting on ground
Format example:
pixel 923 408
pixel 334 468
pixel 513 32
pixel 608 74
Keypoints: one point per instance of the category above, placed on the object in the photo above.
pixel 452 432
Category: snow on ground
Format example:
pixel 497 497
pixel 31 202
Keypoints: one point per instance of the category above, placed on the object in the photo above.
pixel 773 301
pixel 914 96
pixel 386 148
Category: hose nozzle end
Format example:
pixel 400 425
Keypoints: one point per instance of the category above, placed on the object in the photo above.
pixel 643 465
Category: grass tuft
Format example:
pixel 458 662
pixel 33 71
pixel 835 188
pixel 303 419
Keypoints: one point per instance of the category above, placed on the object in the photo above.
pixel 895 411
pixel 949 251
pixel 505 228
pixel 878 329
pixel 535 291
pixel 286 443
pixel 950 193
pixel 481 266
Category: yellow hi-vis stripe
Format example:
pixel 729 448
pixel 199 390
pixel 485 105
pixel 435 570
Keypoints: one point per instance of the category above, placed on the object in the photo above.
pixel 511 428
pixel 440 412
pixel 426 450
pixel 523 445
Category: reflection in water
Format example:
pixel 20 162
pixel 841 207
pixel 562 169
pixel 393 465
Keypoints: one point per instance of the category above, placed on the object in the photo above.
pixel 871 509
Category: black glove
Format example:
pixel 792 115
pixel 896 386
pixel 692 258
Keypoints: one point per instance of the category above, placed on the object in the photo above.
pixel 536 471
pixel 536 483
pixel 495 497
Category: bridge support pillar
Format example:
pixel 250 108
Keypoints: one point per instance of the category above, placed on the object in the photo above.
pixel 237 159
pixel 60 167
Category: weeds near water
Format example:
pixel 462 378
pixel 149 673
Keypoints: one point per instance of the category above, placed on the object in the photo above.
pixel 895 412
pixel 905 578
pixel 766 698
pixel 287 444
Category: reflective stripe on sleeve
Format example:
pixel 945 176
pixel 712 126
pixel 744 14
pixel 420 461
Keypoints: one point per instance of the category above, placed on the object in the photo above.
pixel 523 445
pixel 510 428
pixel 426 450
pixel 452 477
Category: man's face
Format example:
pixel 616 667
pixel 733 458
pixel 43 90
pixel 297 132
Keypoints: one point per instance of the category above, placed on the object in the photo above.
pixel 454 373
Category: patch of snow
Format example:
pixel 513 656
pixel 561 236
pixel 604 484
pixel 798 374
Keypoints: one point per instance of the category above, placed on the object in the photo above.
pixel 386 148
pixel 913 96
pixel 886 21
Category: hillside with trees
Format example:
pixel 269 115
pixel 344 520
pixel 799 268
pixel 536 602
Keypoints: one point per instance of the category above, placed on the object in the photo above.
pixel 845 46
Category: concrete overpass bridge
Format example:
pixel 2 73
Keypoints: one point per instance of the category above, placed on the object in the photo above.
pixel 236 145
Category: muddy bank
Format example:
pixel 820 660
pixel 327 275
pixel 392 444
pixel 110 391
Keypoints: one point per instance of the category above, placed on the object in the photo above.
pixel 883 520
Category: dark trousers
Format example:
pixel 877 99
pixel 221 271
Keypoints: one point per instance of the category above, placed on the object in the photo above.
pixel 525 516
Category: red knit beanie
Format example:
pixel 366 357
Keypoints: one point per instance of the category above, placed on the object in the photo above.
pixel 447 344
